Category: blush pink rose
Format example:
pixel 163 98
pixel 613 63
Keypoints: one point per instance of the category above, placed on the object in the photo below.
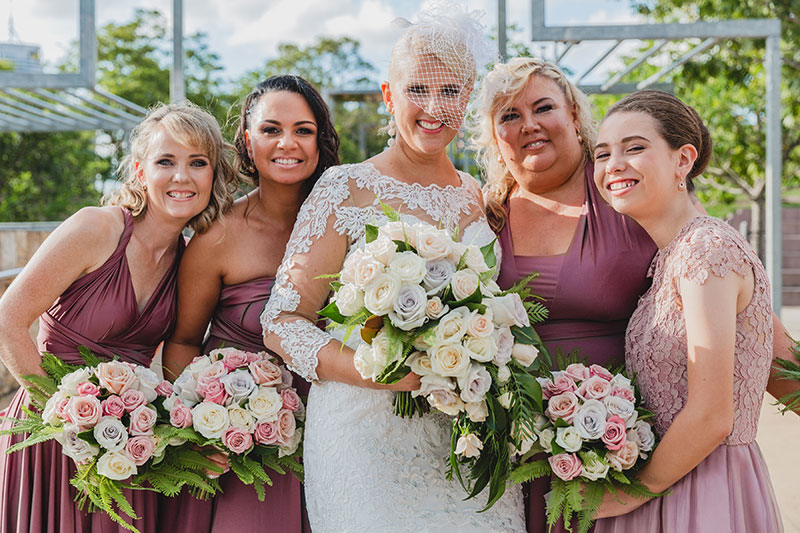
pixel 567 466
pixel 139 449
pixel 213 391
pixel 84 411
pixel 113 406
pixel 253 357
pixel 61 408
pixel 165 388
pixel 562 383
pixel 266 373
pixel 237 440
pixel 577 371
pixel 132 399
pixel 291 400
pixel 615 433
pixel 88 389
pixel 597 370
pixel 142 420
pixel 286 427
pixel 563 405
pixel 180 416
pixel 594 388
pixel 116 376
pixel 625 457
pixel 233 358
pixel 266 432
pixel 622 392
pixel 211 373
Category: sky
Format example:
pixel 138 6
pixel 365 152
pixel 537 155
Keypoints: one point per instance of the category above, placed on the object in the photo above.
pixel 245 33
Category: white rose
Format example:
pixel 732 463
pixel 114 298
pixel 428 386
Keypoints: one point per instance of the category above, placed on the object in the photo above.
pixel 399 231
pixel 449 360
pixel 469 445
pixel 69 383
pixel 184 388
pixel 594 467
pixel 110 433
pixel 210 419
pixel 199 364
pixel 408 267
pixel 480 325
pixel 590 420
pixel 504 341
pixel 527 437
pixel 569 438
pixel 447 402
pixel 453 326
pixel 264 404
pixel 432 382
pixel 367 271
pixel 508 310
pixel 75 447
pixel 457 250
pixel 474 259
pixel 364 361
pixel 348 274
pixel 622 408
pixel 425 341
pixel 622 382
pixel 116 465
pixel 505 400
pixel 241 418
pixel 380 295
pixel 464 283
pixel 433 243
pixel 526 354
pixel 349 299
pixel 437 275
pixel 475 384
pixel 49 415
pixel 290 448
pixel 480 349
pixel 434 308
pixel 477 411
pixel 384 351
pixel 490 288
pixel 238 384
pixel 503 374
pixel 642 434
pixel 408 311
pixel 420 363
pixel 546 436
pixel 382 249
pixel 148 381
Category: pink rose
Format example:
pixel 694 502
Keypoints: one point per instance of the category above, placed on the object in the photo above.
pixel 266 373
pixel 113 406
pixel 132 399
pixel 237 440
pixel 625 457
pixel 597 370
pixel 615 433
pixel 560 384
pixel 577 371
pixel 567 466
pixel 142 420
pixel 211 373
pixel 61 408
pixel 286 427
pixel 594 388
pixel 623 392
pixel 165 388
pixel 291 400
pixel 84 411
pixel 563 405
pixel 213 391
pixel 266 433
pixel 180 416
pixel 139 449
pixel 116 376
pixel 233 358
pixel 88 389
pixel 253 357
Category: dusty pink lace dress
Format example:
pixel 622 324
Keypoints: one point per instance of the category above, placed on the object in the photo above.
pixel 729 490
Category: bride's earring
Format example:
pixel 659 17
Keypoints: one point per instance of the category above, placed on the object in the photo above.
pixel 391 129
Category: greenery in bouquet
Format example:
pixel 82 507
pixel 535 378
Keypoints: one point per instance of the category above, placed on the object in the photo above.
pixel 790 370
pixel 242 404
pixel 108 417
pixel 596 436
pixel 426 303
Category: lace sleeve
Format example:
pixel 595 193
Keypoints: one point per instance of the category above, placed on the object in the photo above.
pixel 317 246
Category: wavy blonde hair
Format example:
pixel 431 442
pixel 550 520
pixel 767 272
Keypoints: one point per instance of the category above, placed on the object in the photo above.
pixel 190 126
pixel 500 87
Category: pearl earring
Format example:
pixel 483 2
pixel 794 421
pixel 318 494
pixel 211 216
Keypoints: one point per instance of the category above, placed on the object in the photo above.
pixel 681 185
pixel 392 131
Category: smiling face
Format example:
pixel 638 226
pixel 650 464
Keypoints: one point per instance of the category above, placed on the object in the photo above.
pixel 537 136
pixel 282 138
pixel 635 169
pixel 179 178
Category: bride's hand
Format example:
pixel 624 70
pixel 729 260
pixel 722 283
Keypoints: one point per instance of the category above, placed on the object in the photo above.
pixel 409 383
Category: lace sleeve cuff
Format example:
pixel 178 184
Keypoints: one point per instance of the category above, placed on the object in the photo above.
pixel 301 341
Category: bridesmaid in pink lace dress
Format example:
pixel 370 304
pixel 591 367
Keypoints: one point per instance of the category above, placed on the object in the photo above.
pixel 112 272
pixel 284 142
pixel 700 341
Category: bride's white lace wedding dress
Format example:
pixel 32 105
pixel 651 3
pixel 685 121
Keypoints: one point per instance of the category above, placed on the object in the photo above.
pixel 365 468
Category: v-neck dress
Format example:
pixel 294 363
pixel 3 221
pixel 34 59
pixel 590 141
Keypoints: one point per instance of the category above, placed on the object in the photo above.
pixel 99 310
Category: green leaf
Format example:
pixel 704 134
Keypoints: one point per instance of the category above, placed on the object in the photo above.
pixel 530 471
pixel 332 311
pixel 389 212
pixel 89 357
pixel 489 256
pixel 370 233
pixel 476 297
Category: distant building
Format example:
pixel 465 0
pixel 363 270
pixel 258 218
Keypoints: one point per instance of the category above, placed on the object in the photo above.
pixel 23 57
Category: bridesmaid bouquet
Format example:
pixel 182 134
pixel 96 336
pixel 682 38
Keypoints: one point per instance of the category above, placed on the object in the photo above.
pixel 106 416
pixel 789 369
pixel 428 304
pixel 596 437
pixel 243 404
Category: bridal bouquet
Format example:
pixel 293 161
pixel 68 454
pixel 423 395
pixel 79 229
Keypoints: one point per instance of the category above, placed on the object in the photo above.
pixel 596 437
pixel 106 417
pixel 243 404
pixel 428 304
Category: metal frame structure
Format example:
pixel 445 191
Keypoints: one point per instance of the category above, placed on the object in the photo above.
pixel 65 101
pixel 711 32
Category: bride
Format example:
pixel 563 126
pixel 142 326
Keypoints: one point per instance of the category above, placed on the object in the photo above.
pixel 367 469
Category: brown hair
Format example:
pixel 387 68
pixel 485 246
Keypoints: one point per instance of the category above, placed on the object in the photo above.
pixel 190 126
pixel 501 86
pixel 678 123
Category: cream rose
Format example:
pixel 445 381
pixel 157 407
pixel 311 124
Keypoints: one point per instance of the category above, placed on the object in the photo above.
pixel 408 267
pixel 382 249
pixel 116 465
pixel 569 439
pixel 546 437
pixel 264 404
pixel 349 299
pixel 434 308
pixel 348 274
pixel 480 325
pixel 384 351
pixel 480 349
pixel 380 295
pixel 433 243
pixel 399 231
pixel 508 310
pixel 505 400
pixel 115 376
pixel 452 327
pixel 474 259
pixel 291 448
pixel 449 360
pixel 594 467
pixel 503 374
pixel 457 250
pixel 241 418
pixel 525 354
pixel 477 411
pixel 367 271
pixel 50 413
pixel 625 457
pixel 447 402
pixel 469 445
pixel 210 419
pixel 364 361
pixel 420 363
pixel 464 283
